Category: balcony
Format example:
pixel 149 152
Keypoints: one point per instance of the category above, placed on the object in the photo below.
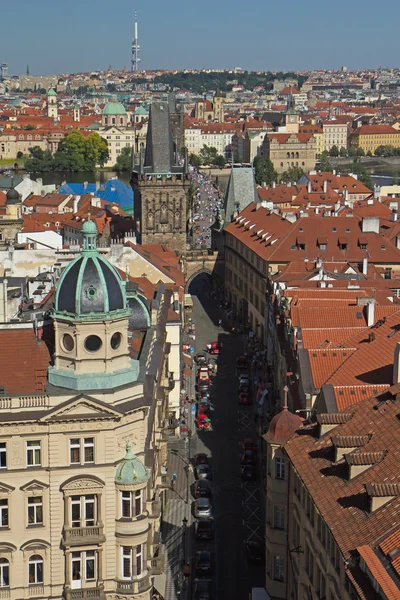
pixel 36 590
pixel 132 526
pixel 76 536
pixel 155 509
pixel 4 593
pixel 96 593
pixel 158 560
pixel 134 587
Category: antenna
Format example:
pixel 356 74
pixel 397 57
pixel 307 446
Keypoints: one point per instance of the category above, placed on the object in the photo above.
pixel 135 47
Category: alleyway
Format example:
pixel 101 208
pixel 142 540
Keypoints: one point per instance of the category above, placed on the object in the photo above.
pixel 237 507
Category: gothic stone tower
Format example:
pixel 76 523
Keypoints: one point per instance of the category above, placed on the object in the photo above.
pixel 159 186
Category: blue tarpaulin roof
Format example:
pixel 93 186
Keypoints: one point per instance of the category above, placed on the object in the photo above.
pixel 112 191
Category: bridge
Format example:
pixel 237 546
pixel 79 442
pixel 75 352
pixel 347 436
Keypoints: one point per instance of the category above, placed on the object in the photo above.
pixel 210 262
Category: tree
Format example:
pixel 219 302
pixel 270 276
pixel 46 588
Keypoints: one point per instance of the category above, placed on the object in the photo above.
pixel 29 127
pixel 95 150
pixel 360 152
pixel 194 160
pixel 351 152
pixel 293 174
pixel 343 151
pixel 124 160
pixel 324 156
pixel 264 171
pixel 219 161
pixel 334 151
pixel 369 153
pixel 209 156
pixel 20 154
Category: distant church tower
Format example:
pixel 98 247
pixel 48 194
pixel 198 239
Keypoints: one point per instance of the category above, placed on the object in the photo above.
pixel 52 109
pixel 77 113
pixel 218 106
pixel 159 184
pixel 292 117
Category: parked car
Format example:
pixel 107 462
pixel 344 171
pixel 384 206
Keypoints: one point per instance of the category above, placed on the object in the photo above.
pixel 203 374
pixel 203 564
pixel 202 589
pixel 249 444
pixel 244 378
pixel 204 529
pixel 215 348
pixel 255 552
pixel 241 363
pixel 202 489
pixel 248 458
pixel 248 472
pixel 202 508
pixel 203 384
pixel 244 387
pixel 245 397
pixel 201 459
pixel 202 394
pixel 203 472
pixel 201 359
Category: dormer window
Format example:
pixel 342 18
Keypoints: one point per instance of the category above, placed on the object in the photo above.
pixel 301 242
pixel 343 243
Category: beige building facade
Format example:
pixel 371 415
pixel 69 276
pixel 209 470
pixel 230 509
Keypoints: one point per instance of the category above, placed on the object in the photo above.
pixel 83 459
pixel 287 150
pixel 336 134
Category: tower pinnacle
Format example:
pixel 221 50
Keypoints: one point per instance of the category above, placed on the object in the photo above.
pixel 135 47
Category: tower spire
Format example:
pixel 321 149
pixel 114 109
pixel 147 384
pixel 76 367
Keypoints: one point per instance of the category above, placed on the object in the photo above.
pixel 135 47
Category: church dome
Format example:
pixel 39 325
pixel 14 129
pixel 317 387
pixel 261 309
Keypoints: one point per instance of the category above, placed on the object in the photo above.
pixel 51 92
pixel 113 109
pixel 282 427
pixel 131 470
pixel 90 287
pixel 12 197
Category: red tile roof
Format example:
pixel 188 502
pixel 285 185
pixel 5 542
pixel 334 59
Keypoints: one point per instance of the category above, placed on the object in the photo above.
pixel 24 361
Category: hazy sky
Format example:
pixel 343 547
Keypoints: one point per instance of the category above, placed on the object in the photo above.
pixel 55 36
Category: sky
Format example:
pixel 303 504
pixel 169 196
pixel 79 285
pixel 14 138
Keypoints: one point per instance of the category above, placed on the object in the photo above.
pixel 69 36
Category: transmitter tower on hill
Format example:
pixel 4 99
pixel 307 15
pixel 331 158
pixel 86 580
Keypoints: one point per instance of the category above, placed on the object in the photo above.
pixel 135 47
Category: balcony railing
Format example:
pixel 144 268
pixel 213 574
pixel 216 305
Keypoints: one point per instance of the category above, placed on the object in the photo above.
pixel 4 593
pixel 18 402
pixel 36 590
pixel 75 536
pixel 158 560
pixel 96 593
pixel 134 587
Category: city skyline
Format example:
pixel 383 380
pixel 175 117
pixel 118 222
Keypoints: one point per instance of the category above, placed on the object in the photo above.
pixel 286 38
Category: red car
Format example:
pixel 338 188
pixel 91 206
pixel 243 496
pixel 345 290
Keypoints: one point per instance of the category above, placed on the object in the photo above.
pixel 214 348
pixel 241 363
pixel 249 444
pixel 244 397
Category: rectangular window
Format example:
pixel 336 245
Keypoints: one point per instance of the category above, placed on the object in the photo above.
pixel 88 447
pixel 132 504
pixel 75 451
pixel 81 449
pixel 4 512
pixel 33 453
pixel 279 517
pixel 127 562
pixel 90 565
pixel 83 511
pixel 139 559
pixel 3 455
pixel 309 563
pixel 35 510
pixel 279 568
pixel 279 468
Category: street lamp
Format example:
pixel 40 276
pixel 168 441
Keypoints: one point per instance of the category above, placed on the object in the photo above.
pixel 184 524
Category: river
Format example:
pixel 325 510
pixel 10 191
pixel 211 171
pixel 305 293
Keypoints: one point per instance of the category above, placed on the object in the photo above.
pixel 80 177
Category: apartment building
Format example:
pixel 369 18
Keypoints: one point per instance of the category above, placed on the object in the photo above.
pixel 369 137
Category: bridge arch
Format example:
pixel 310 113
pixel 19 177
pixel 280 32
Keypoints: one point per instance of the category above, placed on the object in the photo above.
pixel 192 277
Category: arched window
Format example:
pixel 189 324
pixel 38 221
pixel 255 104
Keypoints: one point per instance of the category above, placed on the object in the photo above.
pixel 4 572
pixel 35 569
pixel 288 155
pixel 113 120
pixel 297 155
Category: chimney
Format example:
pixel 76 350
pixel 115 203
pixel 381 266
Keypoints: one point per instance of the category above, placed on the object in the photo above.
pixel 370 225
pixel 371 313
pixel 365 266
pixel 393 216
pixel 325 186
pixel 76 202
pixel 377 192
pixel 309 187
pixel 396 365
pixel 85 184
pixel 274 184
pixel 398 241
pixel 370 201
pixel 97 185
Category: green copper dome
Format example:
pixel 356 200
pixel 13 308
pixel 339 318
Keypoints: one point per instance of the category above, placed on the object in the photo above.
pixel 131 470
pixel 114 108
pixel 51 92
pixel 90 288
